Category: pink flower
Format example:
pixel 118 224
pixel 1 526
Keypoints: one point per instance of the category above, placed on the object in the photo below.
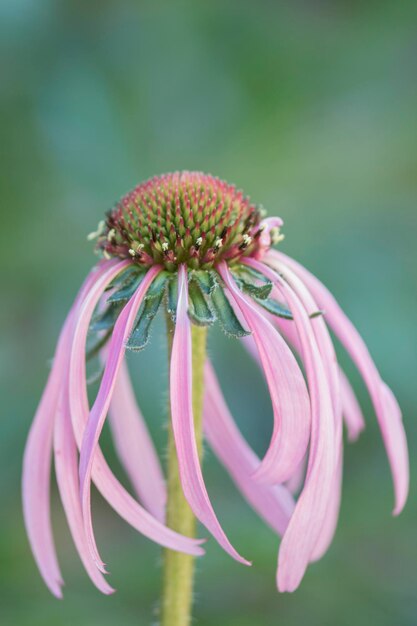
pixel 197 247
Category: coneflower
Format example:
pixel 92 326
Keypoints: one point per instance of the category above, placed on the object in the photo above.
pixel 196 247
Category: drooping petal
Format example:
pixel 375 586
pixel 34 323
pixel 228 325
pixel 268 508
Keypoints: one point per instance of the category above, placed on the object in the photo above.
pixel 392 428
pixel 88 298
pixel 295 483
pixel 332 369
pixel 98 413
pixel 352 413
pixel 310 511
pixel 287 389
pixel 274 503
pixel 36 475
pixel 37 456
pixel 183 422
pixel 355 422
pixel 135 447
pixel 332 514
pixel 326 349
pixel 66 468
pixel 106 482
pixel 398 446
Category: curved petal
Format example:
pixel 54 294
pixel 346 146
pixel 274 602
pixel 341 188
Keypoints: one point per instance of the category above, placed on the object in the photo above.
pixel 37 455
pixel 310 511
pixel 295 483
pixel 352 414
pixel 87 299
pixel 398 446
pixel 274 503
pixel 332 514
pixel 111 489
pixel 287 389
pixel 135 447
pixel 332 369
pixel 37 471
pixel 355 422
pixel 98 413
pixel 66 468
pixel 183 422
pixel 392 428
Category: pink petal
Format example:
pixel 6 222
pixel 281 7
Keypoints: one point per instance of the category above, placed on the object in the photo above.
pixel 37 456
pixel 66 468
pixel 98 413
pixel 351 410
pixel 398 446
pixel 37 471
pixel 391 426
pixel 355 422
pixel 95 290
pixel 295 483
pixel 111 489
pixel 332 370
pixel 273 502
pixel 352 414
pixel 287 389
pixel 310 511
pixel 135 447
pixel 332 515
pixel 183 422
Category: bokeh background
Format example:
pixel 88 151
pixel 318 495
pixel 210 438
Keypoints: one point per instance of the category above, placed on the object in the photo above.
pixel 311 108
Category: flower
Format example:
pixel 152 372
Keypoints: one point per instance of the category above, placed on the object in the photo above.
pixel 197 247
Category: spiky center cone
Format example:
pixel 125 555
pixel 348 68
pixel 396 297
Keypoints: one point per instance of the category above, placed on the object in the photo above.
pixel 185 217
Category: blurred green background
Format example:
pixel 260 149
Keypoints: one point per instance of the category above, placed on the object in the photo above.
pixel 311 108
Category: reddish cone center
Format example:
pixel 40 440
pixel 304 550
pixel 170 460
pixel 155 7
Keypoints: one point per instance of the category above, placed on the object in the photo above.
pixel 185 217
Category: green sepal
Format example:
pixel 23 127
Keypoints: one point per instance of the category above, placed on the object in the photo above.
pixel 248 280
pixel 107 319
pixel 199 310
pixel 124 276
pixel 274 307
pixel 225 314
pixel 157 286
pixel 140 334
pixel 128 288
pixel 206 281
pixel 172 296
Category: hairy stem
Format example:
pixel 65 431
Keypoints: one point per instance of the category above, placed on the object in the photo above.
pixel 178 574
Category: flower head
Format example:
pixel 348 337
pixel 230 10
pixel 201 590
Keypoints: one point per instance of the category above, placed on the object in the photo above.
pixel 183 218
pixel 195 246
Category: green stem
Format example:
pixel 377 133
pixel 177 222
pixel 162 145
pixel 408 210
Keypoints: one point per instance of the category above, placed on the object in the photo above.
pixel 178 570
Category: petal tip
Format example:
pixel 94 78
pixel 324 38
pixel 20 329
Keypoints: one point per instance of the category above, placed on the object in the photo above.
pixel 55 589
pixel 399 506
